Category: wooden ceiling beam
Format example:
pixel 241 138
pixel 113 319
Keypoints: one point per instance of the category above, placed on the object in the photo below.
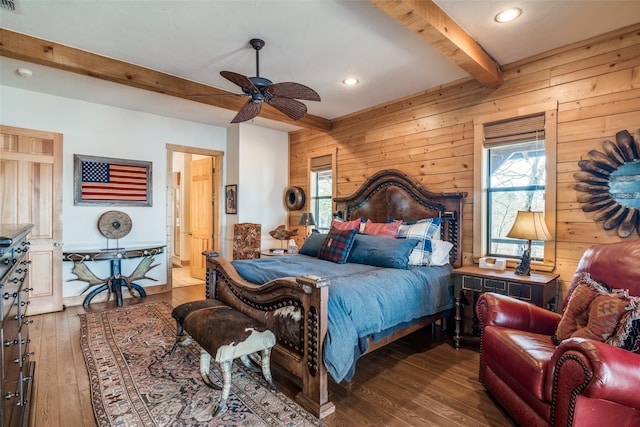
pixel 433 25
pixel 31 49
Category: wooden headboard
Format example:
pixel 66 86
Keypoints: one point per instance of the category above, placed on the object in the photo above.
pixel 392 194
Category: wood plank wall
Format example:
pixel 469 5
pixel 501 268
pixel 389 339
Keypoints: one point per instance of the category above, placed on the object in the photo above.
pixel 596 84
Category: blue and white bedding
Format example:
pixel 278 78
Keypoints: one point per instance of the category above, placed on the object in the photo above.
pixel 364 300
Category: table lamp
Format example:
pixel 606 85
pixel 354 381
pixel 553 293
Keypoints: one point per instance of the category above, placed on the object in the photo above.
pixel 528 226
pixel 306 219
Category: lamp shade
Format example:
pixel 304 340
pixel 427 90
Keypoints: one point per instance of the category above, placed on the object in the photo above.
pixel 306 219
pixel 529 226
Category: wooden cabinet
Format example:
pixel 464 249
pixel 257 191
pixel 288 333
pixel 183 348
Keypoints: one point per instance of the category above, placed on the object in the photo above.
pixel 17 368
pixel 539 289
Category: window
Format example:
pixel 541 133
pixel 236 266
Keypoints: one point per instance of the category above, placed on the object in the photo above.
pixel 321 191
pixel 515 169
pixel 516 177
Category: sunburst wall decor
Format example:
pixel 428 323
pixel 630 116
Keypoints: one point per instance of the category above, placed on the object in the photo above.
pixel 609 184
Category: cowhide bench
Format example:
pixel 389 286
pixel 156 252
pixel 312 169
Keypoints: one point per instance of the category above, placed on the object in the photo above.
pixel 226 334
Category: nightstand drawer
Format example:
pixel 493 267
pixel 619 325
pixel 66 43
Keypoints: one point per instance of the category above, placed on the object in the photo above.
pixel 492 285
pixel 520 291
pixel 472 283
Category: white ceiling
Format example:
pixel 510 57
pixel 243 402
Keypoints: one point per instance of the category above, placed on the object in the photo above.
pixel 314 42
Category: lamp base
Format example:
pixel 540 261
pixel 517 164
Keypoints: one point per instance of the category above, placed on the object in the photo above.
pixel 524 268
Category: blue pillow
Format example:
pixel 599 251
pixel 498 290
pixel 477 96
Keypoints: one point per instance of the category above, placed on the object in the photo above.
pixel 311 246
pixel 337 245
pixel 381 251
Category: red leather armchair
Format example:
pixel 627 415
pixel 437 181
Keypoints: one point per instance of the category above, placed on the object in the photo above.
pixel 580 382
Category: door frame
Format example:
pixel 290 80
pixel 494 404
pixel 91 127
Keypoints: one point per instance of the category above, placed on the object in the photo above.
pixel 218 155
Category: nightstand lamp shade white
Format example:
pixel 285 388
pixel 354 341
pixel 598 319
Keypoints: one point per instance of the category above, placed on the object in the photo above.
pixel 307 220
pixel 528 226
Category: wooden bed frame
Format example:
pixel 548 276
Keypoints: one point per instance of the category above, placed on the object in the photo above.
pixel 387 194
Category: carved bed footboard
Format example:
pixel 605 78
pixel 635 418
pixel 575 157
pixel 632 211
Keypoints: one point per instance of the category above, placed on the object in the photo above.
pixel 295 309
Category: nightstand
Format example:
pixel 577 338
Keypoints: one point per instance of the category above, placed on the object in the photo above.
pixel 539 289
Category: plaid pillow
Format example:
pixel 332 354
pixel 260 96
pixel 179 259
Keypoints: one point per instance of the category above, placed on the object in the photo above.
pixel 424 231
pixel 337 245
pixel 382 229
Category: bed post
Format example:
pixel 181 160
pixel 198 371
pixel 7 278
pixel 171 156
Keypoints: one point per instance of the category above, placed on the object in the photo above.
pixel 314 396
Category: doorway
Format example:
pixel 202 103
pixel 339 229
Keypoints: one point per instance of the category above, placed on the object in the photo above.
pixel 193 216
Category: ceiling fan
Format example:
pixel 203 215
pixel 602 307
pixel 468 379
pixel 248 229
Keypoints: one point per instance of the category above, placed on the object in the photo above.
pixel 282 96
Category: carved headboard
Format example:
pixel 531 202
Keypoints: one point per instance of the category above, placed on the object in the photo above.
pixel 392 194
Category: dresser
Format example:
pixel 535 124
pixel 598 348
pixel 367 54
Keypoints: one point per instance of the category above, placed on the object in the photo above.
pixel 539 289
pixel 17 368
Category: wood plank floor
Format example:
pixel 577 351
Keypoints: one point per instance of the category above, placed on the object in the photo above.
pixel 417 381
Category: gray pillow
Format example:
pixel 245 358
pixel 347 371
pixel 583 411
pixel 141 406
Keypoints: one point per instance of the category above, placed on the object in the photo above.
pixel 311 246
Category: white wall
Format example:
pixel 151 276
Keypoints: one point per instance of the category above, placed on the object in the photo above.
pixel 100 130
pixel 259 161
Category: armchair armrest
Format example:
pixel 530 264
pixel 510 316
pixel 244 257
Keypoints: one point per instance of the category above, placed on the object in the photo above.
pixel 592 369
pixel 501 310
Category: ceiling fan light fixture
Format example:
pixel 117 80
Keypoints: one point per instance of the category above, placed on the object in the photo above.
pixel 350 81
pixel 508 15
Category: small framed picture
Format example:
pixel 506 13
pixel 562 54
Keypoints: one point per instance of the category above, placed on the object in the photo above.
pixel 231 199
pixel 112 182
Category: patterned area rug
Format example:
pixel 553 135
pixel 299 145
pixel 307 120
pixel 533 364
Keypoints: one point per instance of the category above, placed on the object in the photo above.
pixel 134 382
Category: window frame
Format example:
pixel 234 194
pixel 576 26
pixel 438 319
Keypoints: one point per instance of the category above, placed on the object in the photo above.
pixel 311 199
pixel 480 178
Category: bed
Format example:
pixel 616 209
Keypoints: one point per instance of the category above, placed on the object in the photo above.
pixel 303 299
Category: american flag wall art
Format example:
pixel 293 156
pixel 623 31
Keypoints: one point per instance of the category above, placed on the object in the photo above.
pixel 113 181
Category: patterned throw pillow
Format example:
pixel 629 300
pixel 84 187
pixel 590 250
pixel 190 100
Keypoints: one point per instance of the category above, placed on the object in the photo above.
pixel 382 229
pixel 604 314
pixel 627 335
pixel 576 314
pixel 346 225
pixel 596 312
pixel 423 231
pixel 337 245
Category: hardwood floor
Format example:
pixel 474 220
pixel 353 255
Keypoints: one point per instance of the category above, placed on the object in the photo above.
pixel 417 381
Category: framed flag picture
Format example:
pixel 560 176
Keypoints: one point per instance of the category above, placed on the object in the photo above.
pixel 112 182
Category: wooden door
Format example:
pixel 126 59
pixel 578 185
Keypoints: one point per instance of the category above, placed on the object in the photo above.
pixel 31 192
pixel 201 209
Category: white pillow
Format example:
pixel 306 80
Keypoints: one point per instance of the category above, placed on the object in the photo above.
pixel 440 254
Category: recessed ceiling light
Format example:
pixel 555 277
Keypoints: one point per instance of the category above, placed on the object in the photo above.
pixel 350 81
pixel 508 15
pixel 24 72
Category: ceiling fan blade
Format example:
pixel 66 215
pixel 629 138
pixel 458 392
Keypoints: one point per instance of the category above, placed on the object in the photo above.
pixel 293 90
pixel 240 80
pixel 292 108
pixel 248 111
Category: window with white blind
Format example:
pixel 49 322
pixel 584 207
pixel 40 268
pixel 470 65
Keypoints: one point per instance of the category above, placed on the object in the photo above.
pixel 321 191
pixel 515 170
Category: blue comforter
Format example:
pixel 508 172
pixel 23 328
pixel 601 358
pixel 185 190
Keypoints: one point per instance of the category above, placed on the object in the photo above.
pixel 364 301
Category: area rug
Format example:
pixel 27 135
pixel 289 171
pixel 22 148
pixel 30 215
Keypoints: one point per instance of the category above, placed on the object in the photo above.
pixel 134 382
